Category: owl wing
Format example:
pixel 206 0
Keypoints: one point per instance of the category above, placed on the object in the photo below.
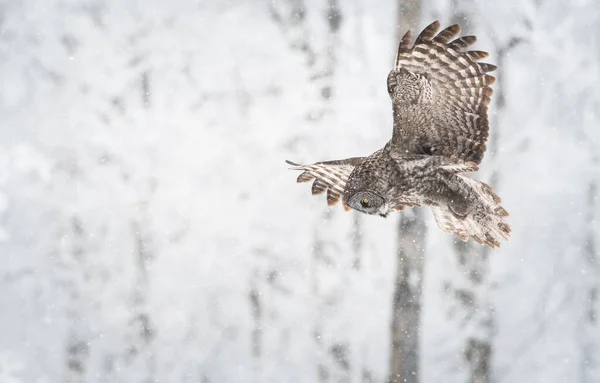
pixel 328 176
pixel 448 116
pixel 409 200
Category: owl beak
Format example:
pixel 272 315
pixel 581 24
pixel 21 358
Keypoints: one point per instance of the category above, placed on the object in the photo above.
pixel 384 210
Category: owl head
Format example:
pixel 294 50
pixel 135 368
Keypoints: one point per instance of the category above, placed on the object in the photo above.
pixel 365 194
pixel 368 202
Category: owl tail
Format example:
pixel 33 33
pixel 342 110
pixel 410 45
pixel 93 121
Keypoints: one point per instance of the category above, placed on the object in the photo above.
pixel 486 224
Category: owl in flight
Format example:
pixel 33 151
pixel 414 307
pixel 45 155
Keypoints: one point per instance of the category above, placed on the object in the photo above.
pixel 440 94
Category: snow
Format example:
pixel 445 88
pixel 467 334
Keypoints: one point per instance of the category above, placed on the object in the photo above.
pixel 147 215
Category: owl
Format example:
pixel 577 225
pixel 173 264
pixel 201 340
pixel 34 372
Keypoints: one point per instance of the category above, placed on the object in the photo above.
pixel 440 94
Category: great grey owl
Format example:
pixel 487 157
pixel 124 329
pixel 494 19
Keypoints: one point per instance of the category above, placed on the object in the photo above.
pixel 440 95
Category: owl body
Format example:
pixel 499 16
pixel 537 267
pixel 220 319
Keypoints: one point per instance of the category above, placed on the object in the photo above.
pixel 439 94
pixel 384 177
pixel 410 180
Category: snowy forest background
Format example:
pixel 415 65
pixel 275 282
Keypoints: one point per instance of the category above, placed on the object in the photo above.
pixel 151 232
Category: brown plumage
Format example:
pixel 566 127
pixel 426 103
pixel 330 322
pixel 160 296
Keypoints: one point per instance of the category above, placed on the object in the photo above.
pixel 440 94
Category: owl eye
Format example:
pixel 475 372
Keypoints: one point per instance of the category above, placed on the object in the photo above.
pixel 367 202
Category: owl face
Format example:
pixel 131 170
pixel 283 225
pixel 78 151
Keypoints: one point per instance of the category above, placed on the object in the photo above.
pixel 366 187
pixel 369 202
pixel 366 202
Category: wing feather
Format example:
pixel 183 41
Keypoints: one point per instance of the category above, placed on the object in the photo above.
pixel 428 33
pixel 447 34
pixel 462 43
pixel 328 176
pixel 404 46
pixel 450 112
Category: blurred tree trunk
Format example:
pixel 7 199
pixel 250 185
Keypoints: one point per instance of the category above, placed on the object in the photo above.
pixel 470 292
pixel 77 342
pixel 470 289
pixel 404 364
pixel 590 330
pixel 333 362
pixel 142 332
pixel 406 313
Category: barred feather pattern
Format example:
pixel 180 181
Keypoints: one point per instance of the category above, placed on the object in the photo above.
pixel 440 93
pixel 328 177
pixel 486 225
pixel 463 206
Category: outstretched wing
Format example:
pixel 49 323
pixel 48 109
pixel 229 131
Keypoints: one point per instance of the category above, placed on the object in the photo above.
pixel 440 93
pixel 487 230
pixel 328 176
